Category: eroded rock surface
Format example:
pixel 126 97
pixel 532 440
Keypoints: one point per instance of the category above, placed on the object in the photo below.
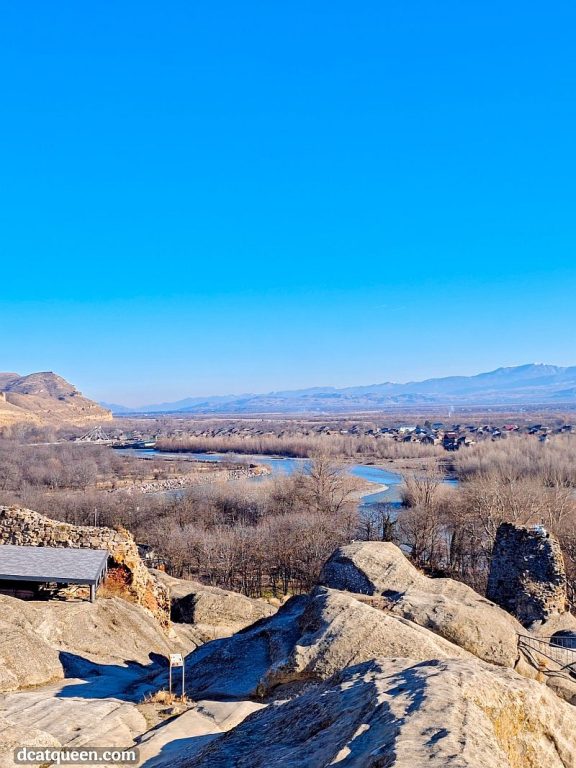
pixel 396 713
pixel 236 666
pixel 73 673
pixel 309 639
pixel 338 631
pixel 38 640
pixel 392 675
pixel 26 658
pixel 447 607
pixel 13 736
pixel 213 612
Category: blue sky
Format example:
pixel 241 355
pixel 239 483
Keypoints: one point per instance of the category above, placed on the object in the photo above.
pixel 215 197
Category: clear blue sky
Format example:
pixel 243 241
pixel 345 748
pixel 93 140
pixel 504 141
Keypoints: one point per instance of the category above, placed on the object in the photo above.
pixel 213 197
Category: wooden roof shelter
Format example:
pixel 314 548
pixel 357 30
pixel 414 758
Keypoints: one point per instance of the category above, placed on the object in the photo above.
pixel 53 565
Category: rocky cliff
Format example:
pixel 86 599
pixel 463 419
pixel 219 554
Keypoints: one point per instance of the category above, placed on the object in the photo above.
pixel 45 399
pixel 378 666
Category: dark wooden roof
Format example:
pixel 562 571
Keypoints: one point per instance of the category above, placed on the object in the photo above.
pixel 52 564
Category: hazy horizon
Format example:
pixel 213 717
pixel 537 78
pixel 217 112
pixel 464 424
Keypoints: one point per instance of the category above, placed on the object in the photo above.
pixel 324 385
pixel 190 394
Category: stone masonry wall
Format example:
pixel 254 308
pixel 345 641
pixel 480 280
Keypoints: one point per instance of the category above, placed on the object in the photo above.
pixel 28 528
pixel 527 576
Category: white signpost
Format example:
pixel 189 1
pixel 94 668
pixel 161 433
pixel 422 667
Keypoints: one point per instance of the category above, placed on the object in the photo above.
pixel 176 661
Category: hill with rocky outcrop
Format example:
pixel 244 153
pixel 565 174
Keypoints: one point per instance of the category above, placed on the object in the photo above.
pixel 378 667
pixel 45 399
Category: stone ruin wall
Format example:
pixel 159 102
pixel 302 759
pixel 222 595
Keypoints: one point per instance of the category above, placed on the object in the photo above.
pixel 27 528
pixel 527 575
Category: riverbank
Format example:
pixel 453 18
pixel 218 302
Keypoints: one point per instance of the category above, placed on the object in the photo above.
pixel 370 490
pixel 193 480
pixel 402 466
pixel 378 483
pixel 443 467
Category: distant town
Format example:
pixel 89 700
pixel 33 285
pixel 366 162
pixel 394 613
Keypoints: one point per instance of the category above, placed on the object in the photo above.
pixel 451 436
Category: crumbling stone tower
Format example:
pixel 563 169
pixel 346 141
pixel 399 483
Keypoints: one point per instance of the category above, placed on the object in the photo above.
pixel 527 576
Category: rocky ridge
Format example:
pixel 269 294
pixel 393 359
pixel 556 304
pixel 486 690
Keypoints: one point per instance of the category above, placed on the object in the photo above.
pixel 397 712
pixel 378 667
pixel 45 399
pixel 212 611
pixel 446 607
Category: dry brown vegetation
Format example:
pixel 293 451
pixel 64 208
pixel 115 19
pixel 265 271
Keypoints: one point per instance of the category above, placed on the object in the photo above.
pixel 552 463
pixel 78 466
pixel 265 538
pixel 302 446
pixel 520 480
pixel 271 536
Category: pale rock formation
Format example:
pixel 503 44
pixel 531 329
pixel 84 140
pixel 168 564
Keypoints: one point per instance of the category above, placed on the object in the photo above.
pixel 213 612
pixel 309 639
pixel 36 638
pixel 447 607
pixel 556 622
pixel 180 739
pixel 107 651
pixel 338 631
pixel 390 676
pixel 25 656
pixel 79 712
pixel 394 713
pixel 13 736
pixel 235 667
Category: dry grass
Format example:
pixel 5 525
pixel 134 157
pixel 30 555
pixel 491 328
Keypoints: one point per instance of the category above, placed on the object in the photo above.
pixel 160 697
pixel 522 457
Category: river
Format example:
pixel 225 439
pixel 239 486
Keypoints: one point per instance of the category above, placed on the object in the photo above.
pixel 389 482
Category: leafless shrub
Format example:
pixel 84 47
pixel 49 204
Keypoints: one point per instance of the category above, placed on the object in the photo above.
pixel 522 481
pixel 301 446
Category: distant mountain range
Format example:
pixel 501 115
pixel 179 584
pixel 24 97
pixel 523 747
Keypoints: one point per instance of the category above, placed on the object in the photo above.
pixel 522 385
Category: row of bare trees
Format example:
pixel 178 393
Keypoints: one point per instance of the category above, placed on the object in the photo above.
pixel 268 537
pixel 282 554
pixel 451 530
pixel 272 536
pixel 73 466
pixel 302 446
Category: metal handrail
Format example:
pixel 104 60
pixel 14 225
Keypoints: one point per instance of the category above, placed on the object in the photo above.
pixel 556 651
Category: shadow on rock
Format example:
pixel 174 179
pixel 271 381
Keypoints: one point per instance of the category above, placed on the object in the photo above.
pixel 130 681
